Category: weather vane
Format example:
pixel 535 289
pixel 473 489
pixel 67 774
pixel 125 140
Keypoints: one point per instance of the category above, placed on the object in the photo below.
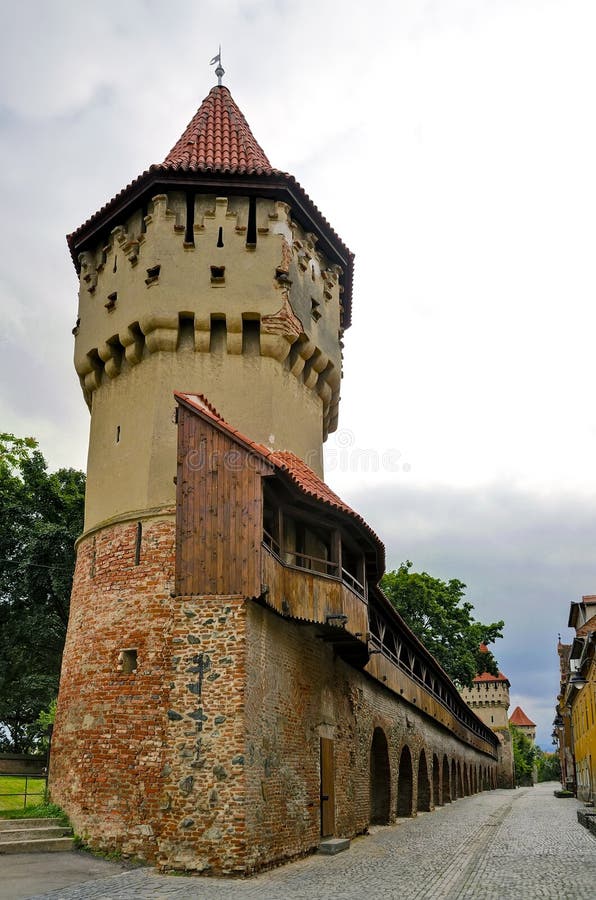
pixel 220 72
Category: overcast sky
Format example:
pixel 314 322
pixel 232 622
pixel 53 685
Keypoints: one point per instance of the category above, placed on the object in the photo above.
pixel 451 143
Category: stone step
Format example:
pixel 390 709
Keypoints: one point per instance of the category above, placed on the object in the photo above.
pixel 17 824
pixel 32 834
pixel 331 846
pixel 49 845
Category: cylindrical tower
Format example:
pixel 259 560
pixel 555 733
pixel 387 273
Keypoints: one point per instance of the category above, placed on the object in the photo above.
pixel 212 273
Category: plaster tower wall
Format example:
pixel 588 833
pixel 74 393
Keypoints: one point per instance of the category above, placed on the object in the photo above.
pixel 253 325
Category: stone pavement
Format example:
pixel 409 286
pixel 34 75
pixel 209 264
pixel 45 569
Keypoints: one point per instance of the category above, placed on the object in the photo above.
pixel 521 844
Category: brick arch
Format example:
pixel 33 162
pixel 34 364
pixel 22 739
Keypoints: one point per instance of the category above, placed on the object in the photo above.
pixel 380 779
pixel 423 793
pixel 437 800
pixel 446 794
pixel 405 783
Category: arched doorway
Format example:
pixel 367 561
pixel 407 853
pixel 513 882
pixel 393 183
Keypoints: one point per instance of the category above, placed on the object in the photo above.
pixel 454 790
pixel 446 781
pixel 405 783
pixel 380 779
pixel 460 781
pixel 437 801
pixel 423 804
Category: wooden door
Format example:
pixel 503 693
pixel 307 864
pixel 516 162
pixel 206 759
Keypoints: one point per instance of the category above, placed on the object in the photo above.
pixel 327 788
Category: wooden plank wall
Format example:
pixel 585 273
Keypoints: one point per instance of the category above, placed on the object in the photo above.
pixel 303 594
pixel 219 511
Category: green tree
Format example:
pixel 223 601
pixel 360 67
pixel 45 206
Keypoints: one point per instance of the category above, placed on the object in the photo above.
pixel 437 613
pixel 524 756
pixel 42 515
pixel 549 766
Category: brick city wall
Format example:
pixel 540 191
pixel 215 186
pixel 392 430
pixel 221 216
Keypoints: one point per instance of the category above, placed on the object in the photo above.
pixel 206 756
pixel 298 692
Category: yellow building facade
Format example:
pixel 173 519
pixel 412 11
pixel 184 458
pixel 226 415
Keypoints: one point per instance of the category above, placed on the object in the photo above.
pixel 581 697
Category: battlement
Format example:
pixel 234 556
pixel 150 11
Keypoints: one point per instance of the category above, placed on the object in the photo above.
pixel 220 275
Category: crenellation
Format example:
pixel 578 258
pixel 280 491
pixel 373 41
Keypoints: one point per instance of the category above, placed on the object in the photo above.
pixel 142 330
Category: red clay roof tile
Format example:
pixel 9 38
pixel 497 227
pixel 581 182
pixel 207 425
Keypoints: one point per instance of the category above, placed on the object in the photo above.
pixel 518 717
pixel 218 143
pixel 488 676
pixel 302 476
pixel 218 138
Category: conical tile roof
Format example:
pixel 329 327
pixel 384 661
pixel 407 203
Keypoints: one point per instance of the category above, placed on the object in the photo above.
pixel 218 139
pixel 218 150
pixel 518 717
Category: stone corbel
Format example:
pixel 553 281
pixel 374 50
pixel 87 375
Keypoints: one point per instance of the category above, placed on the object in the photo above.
pixel 234 335
pixel 317 362
pixel 202 334
pixel 161 332
pixel 276 346
pixel 90 372
pixel 111 359
pixel 132 342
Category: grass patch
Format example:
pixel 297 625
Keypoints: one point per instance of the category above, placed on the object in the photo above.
pixel 12 790
pixel 37 811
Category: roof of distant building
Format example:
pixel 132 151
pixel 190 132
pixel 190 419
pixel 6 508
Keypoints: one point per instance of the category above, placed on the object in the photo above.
pixel 488 676
pixel 518 717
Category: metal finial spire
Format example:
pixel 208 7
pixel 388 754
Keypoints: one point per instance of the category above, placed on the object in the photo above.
pixel 220 71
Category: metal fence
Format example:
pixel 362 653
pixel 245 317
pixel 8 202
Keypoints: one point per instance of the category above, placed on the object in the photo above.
pixel 36 786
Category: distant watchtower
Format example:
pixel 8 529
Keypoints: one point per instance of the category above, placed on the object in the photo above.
pixel 214 273
pixel 489 697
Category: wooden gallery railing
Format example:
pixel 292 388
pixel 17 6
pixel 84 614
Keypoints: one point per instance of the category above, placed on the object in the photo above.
pixel 447 704
pixel 310 588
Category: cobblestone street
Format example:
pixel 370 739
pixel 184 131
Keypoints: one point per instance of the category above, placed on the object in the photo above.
pixel 502 844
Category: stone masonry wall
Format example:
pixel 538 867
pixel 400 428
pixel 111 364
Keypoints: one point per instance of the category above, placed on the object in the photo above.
pixel 150 763
pixel 107 751
pixel 206 756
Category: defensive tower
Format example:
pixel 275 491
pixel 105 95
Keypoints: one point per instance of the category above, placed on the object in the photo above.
pixel 234 683
pixel 215 273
